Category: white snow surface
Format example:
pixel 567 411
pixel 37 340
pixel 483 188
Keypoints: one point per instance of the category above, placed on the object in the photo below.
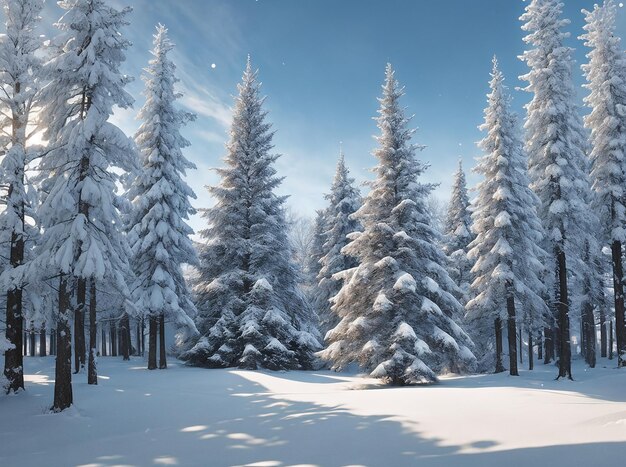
pixel 197 417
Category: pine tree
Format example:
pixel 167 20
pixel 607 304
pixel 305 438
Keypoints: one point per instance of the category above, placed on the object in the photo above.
pixel 313 266
pixel 344 200
pixel 556 144
pixel 251 312
pixel 82 243
pixel 508 261
pixel 19 78
pixel 458 235
pixel 159 234
pixel 606 76
pixel 397 307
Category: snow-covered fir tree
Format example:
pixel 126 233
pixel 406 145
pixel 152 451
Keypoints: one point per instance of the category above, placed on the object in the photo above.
pixel 344 200
pixel 251 311
pixel 556 145
pixel 606 76
pixel 397 307
pixel 458 235
pixel 508 259
pixel 159 234
pixel 19 80
pixel 82 243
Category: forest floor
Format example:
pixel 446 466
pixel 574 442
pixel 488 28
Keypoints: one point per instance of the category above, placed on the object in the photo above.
pixel 213 418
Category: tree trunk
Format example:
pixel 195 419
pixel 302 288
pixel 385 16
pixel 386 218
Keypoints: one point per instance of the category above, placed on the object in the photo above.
pixel 531 363
pixel 53 341
pixel 521 345
pixel 25 339
pixel 162 355
pixel 138 338
pixel 103 338
pixel 565 357
pixel 603 336
pixel 92 372
pixel 589 334
pixel 125 328
pixel 618 288
pixel 143 336
pixel 31 339
pixel 113 339
pixel 79 326
pixel 511 331
pixel 498 329
pixel 611 340
pixel 152 345
pixel 63 397
pixel 549 345
pixel 14 357
pixel 539 347
pixel 42 341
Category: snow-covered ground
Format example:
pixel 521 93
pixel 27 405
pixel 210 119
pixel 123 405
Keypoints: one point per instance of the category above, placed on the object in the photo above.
pixel 197 417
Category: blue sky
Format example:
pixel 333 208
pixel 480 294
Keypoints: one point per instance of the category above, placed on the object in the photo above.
pixel 322 63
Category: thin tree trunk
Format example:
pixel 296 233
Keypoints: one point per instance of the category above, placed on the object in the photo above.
pixel 63 397
pixel 548 344
pixel 152 345
pixel 31 339
pixel 143 336
pixel 42 341
pixel 25 339
pixel 531 363
pixel 79 326
pixel 53 341
pixel 92 372
pixel 603 337
pixel 539 347
pixel 611 340
pixel 138 338
pixel 618 288
pixel 521 345
pixel 589 334
pixel 565 357
pixel 103 338
pixel 113 339
pixel 511 331
pixel 162 355
pixel 125 334
pixel 498 330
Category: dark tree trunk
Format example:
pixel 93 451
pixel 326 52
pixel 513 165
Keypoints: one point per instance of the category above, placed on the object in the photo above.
pixel 143 336
pixel 14 357
pixel 498 329
pixel 162 355
pixel 53 341
pixel 152 344
pixel 548 345
pixel 113 339
pixel 539 347
pixel 63 369
pixel 125 330
pixel 589 334
pixel 521 345
pixel 618 288
pixel 531 363
pixel 92 372
pixel 138 338
pixel 603 336
pixel 31 340
pixel 611 340
pixel 25 340
pixel 565 357
pixel 103 339
pixel 511 331
pixel 42 342
pixel 79 326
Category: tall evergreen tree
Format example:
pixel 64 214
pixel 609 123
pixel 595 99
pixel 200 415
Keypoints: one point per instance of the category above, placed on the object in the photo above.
pixel 251 311
pixel 458 235
pixel 508 266
pixel 313 266
pixel 606 76
pixel 159 234
pixel 19 80
pixel 556 144
pixel 344 200
pixel 82 241
pixel 397 307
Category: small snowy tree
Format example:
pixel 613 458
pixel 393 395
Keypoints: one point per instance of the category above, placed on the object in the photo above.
pixel 397 307
pixel 458 235
pixel 606 76
pixel 508 260
pixel 158 234
pixel 251 311
pixel 19 80
pixel 556 144
pixel 82 243
pixel 344 200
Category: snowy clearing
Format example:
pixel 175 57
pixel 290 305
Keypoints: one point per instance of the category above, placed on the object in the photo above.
pixel 198 417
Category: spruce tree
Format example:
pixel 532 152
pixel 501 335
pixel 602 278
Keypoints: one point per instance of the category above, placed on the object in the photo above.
pixel 508 260
pixel 82 243
pixel 19 78
pixel 159 234
pixel 397 307
pixel 251 311
pixel 458 235
pixel 344 200
pixel 556 144
pixel 606 76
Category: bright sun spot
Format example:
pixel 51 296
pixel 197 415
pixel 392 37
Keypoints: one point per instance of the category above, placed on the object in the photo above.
pixel 213 65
